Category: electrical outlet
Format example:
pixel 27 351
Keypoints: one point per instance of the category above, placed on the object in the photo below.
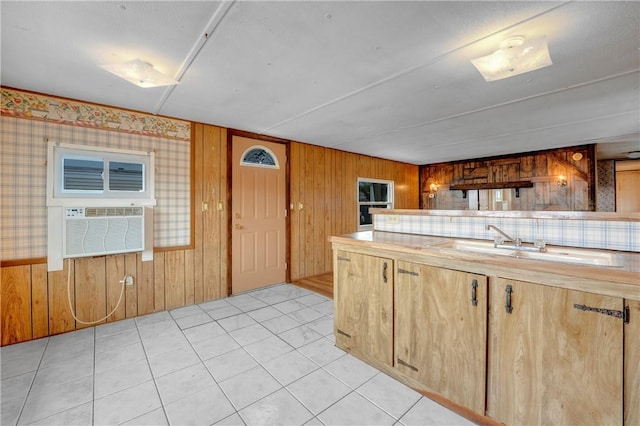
pixel 128 280
pixel 393 219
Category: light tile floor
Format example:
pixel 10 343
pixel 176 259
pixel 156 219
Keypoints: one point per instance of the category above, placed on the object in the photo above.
pixel 264 357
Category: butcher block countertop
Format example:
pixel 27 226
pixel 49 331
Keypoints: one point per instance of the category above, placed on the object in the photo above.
pixel 621 280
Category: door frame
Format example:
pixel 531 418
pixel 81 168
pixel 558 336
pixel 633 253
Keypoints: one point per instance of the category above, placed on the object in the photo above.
pixel 241 133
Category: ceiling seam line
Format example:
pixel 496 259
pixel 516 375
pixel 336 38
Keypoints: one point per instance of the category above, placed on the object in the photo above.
pixel 507 134
pixel 205 35
pixel 515 101
pixel 427 123
pixel 408 70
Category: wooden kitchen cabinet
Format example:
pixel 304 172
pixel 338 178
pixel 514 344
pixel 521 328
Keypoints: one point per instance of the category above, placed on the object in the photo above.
pixel 632 365
pixel 363 297
pixel 441 331
pixel 555 356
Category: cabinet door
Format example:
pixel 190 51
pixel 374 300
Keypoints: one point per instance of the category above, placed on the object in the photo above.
pixel 632 365
pixel 440 332
pixel 364 305
pixel 553 359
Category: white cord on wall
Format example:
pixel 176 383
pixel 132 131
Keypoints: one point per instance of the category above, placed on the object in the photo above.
pixel 123 282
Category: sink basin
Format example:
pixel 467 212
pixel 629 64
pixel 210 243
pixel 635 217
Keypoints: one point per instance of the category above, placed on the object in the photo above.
pixel 575 256
pixel 486 247
pixel 552 254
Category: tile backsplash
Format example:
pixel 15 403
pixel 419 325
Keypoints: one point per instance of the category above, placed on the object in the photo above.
pixel 602 234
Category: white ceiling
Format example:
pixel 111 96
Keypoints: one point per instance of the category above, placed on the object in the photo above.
pixel 389 79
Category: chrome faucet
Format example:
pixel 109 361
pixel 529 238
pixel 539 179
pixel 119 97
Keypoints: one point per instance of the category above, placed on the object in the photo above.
pixel 538 246
pixel 516 241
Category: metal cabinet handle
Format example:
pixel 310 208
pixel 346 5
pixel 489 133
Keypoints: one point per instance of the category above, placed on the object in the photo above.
pixel 623 314
pixel 474 289
pixel 507 302
pixel 384 272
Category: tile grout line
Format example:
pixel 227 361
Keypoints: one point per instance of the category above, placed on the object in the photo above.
pixel 203 364
pixel 153 377
pixel 35 374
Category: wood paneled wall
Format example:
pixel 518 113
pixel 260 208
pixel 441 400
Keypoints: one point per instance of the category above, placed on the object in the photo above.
pixel 542 168
pixel 210 200
pixel 323 200
pixel 35 302
pixel 323 194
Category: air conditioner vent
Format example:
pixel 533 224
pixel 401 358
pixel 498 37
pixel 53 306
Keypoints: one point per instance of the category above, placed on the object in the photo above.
pixel 112 211
pixel 95 231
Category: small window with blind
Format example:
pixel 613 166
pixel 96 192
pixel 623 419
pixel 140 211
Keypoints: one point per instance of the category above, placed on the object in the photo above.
pixel 373 193
pixel 81 172
pixel 127 177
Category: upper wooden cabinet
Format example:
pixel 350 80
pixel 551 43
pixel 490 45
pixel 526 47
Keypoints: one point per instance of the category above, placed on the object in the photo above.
pixel 555 356
pixel 363 300
pixel 441 331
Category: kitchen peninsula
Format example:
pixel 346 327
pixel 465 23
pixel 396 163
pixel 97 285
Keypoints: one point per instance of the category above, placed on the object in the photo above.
pixel 501 334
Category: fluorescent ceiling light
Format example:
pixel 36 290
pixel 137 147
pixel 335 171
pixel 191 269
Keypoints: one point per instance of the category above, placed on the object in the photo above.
pixel 515 56
pixel 140 73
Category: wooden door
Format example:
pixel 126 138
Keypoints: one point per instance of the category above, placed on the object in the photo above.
pixel 627 193
pixel 363 298
pixel 551 362
pixel 440 332
pixel 258 214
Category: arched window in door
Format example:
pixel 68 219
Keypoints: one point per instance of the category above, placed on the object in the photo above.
pixel 259 156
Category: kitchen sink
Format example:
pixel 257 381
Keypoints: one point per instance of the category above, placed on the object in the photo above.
pixel 573 255
pixel 551 254
pixel 486 247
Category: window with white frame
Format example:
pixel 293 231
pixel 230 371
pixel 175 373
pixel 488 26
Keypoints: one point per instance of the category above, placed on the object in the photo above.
pixel 373 193
pixel 79 173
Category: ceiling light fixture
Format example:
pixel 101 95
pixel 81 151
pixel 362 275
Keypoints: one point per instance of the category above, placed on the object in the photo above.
pixel 515 56
pixel 633 155
pixel 140 73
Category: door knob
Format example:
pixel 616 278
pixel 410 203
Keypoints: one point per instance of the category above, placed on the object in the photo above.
pixel 238 226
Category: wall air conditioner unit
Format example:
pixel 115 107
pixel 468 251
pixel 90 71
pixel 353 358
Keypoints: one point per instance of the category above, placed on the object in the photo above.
pixel 96 231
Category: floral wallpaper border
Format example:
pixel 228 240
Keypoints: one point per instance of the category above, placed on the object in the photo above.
pixel 19 104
